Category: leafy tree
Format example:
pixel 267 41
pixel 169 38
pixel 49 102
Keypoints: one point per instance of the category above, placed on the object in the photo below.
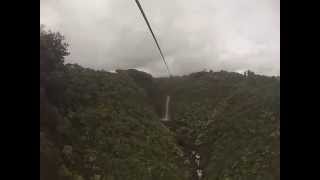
pixel 53 50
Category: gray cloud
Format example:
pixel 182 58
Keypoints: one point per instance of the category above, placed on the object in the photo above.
pixel 231 35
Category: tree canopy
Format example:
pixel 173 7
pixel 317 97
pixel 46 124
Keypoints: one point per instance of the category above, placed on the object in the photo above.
pixel 106 126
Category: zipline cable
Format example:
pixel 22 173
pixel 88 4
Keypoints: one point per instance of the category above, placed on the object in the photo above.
pixel 154 37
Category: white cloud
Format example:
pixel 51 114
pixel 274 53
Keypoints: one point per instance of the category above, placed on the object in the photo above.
pixel 213 34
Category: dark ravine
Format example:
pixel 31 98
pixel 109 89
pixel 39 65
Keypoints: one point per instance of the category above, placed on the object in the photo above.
pixel 192 158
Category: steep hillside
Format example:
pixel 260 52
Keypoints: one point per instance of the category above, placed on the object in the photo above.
pixel 108 129
pixel 97 125
pixel 232 120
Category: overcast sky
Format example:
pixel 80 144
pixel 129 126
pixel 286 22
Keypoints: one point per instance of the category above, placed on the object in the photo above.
pixel 194 35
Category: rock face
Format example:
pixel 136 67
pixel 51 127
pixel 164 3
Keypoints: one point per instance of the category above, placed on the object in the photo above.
pixel 197 168
pixel 199 173
pixel 67 150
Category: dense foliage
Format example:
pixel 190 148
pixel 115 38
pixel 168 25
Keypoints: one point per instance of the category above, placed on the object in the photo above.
pixel 233 120
pixel 102 128
pixel 106 126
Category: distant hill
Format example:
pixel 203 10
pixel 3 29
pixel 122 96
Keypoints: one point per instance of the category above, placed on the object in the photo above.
pixel 106 126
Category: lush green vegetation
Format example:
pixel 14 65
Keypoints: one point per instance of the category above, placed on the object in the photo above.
pixel 106 126
pixel 96 124
pixel 233 120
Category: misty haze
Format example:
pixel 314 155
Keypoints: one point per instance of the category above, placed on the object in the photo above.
pixel 159 90
pixel 232 35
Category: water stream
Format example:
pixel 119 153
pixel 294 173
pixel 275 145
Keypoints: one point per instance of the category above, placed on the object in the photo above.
pixel 166 117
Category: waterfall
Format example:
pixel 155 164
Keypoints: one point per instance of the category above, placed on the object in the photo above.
pixel 166 117
pixel 196 157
